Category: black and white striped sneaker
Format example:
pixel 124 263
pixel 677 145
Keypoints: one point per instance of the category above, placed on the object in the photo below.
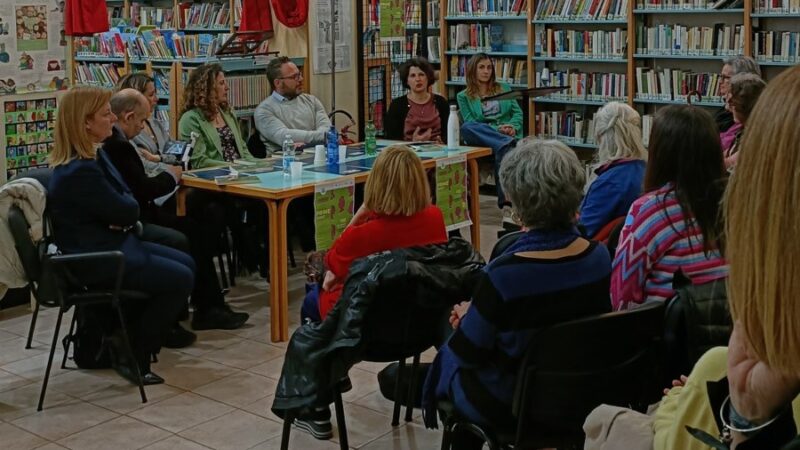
pixel 320 429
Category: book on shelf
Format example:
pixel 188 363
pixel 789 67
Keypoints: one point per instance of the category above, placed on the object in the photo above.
pixel 150 15
pixel 95 74
pixel 487 7
pixel 471 37
pixel 676 84
pixel 607 44
pixel 676 39
pixel 237 12
pixel 396 87
pixel 161 78
pixel 496 37
pixel 567 10
pixel 374 47
pixel 162 115
pixel 647 127
pixel 593 86
pixel 776 6
pixel 434 49
pixel 204 15
pixel 507 70
pixel 412 15
pixel 247 91
pixel 688 4
pixel 434 14
pixel 108 44
pixel 570 127
pixel 776 46
pixel 170 44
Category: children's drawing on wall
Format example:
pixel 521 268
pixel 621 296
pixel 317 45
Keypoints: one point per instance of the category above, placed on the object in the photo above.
pixel 59 6
pixel 5 26
pixel 25 61
pixel 7 86
pixel 31 27
pixel 4 56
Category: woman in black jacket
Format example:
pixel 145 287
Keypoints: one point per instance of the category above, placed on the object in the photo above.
pixel 419 115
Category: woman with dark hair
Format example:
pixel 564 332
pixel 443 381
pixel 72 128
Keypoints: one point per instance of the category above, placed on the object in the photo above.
pixel 496 124
pixel 207 113
pixel 419 115
pixel 744 92
pixel 675 224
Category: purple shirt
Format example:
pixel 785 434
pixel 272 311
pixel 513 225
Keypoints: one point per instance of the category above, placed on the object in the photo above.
pixel 424 116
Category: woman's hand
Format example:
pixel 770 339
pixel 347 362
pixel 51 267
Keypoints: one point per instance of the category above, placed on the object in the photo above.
pixel 458 313
pixel 329 281
pixel 508 130
pixel 149 156
pixel 757 391
pixel 421 135
pixel 677 383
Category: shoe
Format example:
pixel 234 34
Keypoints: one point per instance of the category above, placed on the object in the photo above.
pixel 218 318
pixel 255 280
pixel 179 337
pixel 150 378
pixel 316 424
pixel 508 222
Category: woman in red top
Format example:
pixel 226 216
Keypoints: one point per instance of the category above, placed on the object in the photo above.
pixel 397 213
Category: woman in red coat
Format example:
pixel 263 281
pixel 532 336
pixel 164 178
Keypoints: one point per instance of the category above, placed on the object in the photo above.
pixel 397 213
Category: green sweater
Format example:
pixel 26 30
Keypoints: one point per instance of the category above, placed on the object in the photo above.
pixel 510 112
pixel 207 150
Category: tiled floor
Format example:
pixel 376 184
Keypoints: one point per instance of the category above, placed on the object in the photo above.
pixel 218 391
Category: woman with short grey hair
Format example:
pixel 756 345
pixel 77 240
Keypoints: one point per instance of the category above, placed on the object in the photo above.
pixel 734 65
pixel 549 275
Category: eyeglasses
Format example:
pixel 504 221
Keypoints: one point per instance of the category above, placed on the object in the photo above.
pixel 295 77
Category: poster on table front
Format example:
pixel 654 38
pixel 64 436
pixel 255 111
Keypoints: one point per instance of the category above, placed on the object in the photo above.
pixel 451 192
pixel 32 46
pixel 333 210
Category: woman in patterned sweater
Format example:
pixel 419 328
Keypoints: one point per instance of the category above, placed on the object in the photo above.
pixel 674 225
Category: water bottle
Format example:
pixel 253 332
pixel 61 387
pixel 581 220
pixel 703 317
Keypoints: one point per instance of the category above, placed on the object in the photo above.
pixel 370 144
pixel 288 154
pixel 332 153
pixel 453 129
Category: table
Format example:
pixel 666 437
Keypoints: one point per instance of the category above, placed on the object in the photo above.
pixel 277 191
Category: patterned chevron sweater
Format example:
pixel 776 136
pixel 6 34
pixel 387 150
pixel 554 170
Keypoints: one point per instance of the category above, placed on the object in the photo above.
pixel 655 242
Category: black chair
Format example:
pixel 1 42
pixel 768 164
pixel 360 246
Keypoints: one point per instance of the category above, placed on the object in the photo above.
pixel 570 369
pixel 505 241
pixel 256 147
pixel 54 285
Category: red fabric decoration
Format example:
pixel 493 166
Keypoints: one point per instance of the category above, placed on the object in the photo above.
pixel 291 13
pixel 85 17
pixel 256 16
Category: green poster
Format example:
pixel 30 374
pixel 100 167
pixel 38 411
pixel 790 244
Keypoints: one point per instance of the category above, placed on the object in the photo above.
pixel 392 24
pixel 451 192
pixel 333 210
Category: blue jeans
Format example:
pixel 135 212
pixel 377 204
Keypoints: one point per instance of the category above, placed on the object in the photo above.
pixel 479 134
pixel 310 308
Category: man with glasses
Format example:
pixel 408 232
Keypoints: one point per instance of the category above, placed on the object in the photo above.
pixel 288 110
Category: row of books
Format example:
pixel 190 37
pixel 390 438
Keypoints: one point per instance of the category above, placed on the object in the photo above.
pixel 688 4
pixel 676 39
pixel 169 44
pixel 776 46
pixel 413 14
pixel 581 9
pixel 106 44
pixel 204 15
pixel 570 127
pixel 475 36
pixel 581 43
pixel 595 86
pixel 247 91
pixel 507 70
pixel 162 115
pixel 150 15
pixel 161 78
pixel 676 84
pixel 487 7
pixel 95 74
pixel 776 6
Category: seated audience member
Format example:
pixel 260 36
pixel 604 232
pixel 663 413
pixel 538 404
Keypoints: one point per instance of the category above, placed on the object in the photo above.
pixel 397 213
pixel 161 225
pixel 744 92
pixel 288 110
pixel 419 115
pixel 496 124
pixel 674 225
pixel 151 141
pixel 620 172
pixel 723 117
pixel 565 277
pixel 208 113
pixel 93 209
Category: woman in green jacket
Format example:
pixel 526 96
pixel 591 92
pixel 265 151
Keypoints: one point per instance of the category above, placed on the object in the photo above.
pixel 496 124
pixel 207 113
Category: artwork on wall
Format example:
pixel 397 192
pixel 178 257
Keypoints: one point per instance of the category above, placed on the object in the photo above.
pixel 29 127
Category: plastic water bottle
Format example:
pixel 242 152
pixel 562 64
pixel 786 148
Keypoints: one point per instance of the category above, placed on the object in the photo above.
pixel 332 152
pixel 370 143
pixel 288 154
pixel 453 128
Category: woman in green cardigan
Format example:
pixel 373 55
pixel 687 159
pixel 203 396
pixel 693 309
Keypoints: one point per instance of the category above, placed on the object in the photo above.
pixel 496 124
pixel 207 113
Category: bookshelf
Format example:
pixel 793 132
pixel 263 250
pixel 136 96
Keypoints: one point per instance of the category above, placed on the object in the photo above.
pixel 167 39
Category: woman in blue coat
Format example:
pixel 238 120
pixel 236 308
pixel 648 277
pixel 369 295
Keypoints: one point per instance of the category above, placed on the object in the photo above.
pixel 92 209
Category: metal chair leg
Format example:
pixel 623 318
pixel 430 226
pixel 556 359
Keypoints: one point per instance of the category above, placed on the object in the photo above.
pixel 287 430
pixel 69 341
pixel 447 435
pixel 340 420
pixel 412 385
pixel 129 350
pixel 396 413
pixel 33 325
pixel 50 359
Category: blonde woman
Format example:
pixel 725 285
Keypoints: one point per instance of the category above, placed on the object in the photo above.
pixel 93 210
pixel 496 124
pixel 207 113
pixel 761 228
pixel 620 173
pixel 397 213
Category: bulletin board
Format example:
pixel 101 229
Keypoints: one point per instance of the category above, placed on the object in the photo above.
pixel 27 133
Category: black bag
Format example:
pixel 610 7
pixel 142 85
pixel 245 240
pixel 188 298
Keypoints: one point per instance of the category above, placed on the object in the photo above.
pixel 93 324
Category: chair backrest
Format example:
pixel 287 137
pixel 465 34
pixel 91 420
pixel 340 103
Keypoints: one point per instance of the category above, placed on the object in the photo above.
pixel 573 367
pixel 256 146
pixel 605 233
pixel 502 244
pixel 42 175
